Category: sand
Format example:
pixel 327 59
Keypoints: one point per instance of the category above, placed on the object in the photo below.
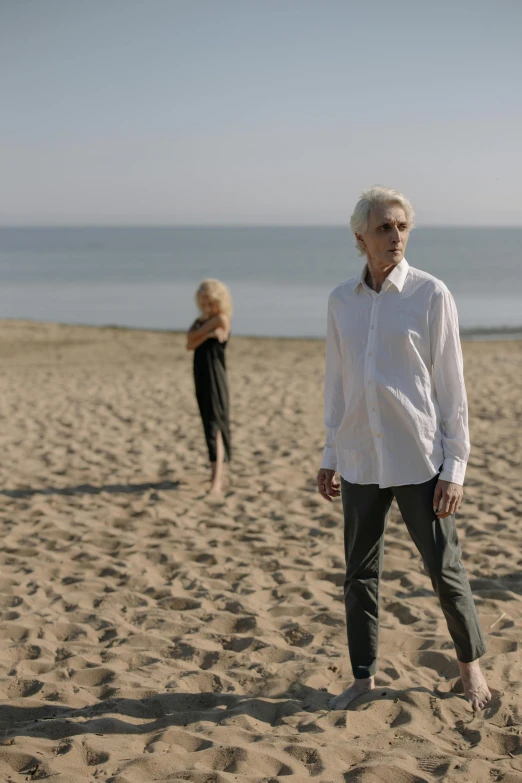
pixel 149 634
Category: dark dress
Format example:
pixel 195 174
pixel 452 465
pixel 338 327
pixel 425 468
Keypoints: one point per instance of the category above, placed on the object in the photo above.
pixel 210 378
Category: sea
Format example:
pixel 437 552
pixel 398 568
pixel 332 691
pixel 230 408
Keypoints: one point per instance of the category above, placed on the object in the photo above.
pixel 279 277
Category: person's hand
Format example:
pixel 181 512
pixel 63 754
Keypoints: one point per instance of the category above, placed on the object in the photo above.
pixel 447 498
pixel 327 486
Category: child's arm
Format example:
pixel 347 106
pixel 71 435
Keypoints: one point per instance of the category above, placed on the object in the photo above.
pixel 195 325
pixel 217 326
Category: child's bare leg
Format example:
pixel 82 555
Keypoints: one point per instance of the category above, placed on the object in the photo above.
pixel 217 466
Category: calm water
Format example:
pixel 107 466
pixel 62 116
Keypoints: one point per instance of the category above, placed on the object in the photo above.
pixel 279 277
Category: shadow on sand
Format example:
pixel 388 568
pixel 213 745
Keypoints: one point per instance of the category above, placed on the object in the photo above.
pixel 90 489
pixel 57 722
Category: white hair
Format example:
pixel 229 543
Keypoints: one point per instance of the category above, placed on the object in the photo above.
pixel 370 198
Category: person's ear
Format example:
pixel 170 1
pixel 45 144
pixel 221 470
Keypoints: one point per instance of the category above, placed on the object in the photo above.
pixel 360 240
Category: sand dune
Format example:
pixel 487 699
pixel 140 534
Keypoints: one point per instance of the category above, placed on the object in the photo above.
pixel 149 634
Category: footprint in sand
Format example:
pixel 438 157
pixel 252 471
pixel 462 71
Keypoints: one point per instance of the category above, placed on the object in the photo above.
pixel 402 612
pixel 92 757
pixel 297 636
pixel 23 688
pixel 93 677
pixel 310 757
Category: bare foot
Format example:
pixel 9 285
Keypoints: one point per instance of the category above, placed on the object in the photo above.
pixel 475 686
pixel 216 490
pixel 350 694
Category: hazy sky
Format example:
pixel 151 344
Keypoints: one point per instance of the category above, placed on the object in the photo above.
pixel 258 111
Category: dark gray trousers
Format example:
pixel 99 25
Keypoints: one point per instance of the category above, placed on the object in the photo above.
pixel 365 508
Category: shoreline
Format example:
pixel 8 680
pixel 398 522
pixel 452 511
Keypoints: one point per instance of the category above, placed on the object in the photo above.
pixel 477 334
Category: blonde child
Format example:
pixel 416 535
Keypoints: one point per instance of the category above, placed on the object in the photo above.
pixel 208 337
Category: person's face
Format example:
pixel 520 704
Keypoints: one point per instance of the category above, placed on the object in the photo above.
pixel 207 306
pixel 387 235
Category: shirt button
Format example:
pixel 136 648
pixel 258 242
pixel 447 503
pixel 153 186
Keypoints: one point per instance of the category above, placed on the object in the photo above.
pixel 371 327
pixel 369 354
pixel 378 434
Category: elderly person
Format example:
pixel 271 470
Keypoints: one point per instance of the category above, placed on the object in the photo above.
pixel 396 427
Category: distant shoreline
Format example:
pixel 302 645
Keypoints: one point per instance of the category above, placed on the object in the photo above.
pixel 479 333
pixel 492 333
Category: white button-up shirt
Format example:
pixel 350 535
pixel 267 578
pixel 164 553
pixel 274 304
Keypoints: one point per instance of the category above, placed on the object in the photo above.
pixel 395 399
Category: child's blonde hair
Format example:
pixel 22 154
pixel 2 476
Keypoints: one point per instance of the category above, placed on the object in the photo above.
pixel 216 292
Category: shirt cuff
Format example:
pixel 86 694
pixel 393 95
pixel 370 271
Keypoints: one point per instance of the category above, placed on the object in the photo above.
pixel 453 470
pixel 329 458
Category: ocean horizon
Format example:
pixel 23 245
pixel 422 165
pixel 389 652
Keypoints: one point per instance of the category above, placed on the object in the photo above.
pixel 279 276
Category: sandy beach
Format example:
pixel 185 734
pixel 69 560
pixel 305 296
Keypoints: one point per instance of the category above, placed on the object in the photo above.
pixel 149 634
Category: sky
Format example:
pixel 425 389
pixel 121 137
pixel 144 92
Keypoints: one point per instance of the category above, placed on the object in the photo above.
pixel 177 112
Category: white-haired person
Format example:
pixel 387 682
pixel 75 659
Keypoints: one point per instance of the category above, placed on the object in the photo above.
pixel 208 337
pixel 397 427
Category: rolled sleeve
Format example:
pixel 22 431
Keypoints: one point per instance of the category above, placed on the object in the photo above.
pixel 329 460
pixel 453 470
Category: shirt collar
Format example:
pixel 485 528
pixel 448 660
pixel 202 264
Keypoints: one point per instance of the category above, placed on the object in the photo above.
pixel 397 277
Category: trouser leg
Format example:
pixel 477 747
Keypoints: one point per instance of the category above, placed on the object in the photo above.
pixel 438 544
pixel 365 508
